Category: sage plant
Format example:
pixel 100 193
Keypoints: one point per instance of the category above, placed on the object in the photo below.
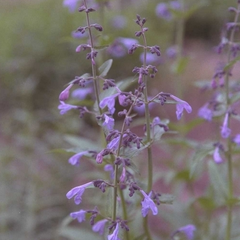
pixel 121 145
pixel 223 106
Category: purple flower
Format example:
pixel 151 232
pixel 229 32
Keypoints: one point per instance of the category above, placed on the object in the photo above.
pixel 99 226
pixel 70 4
pixel 188 230
pixel 114 235
pixel 216 155
pixel 109 168
pixel 78 192
pixel 64 107
pixel 127 42
pixel 108 123
pixel 237 139
pixel 80 215
pixel 81 93
pixel 114 143
pixel 150 58
pixel 163 11
pixel 78 34
pixel 99 157
pixel 119 22
pixel 74 160
pixel 205 113
pixel 64 95
pixel 175 5
pixel 225 131
pixel 109 102
pixel 147 204
pixel 181 105
pixel 171 52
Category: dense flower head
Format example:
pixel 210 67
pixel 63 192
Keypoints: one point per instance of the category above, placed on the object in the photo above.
pixel 148 204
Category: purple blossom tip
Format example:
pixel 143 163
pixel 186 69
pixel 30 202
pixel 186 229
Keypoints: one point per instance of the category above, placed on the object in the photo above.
pixel 99 226
pixel 64 95
pixel 225 130
pixel 78 192
pixel 181 105
pixel 64 107
pixel 216 155
pixel 80 215
pixel 147 204
pixel 114 235
pixel 188 230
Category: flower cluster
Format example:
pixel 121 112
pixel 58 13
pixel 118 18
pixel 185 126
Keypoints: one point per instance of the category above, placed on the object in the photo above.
pixel 120 144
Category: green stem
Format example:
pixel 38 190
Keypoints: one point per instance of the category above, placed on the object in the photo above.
pixel 148 130
pixel 229 143
pixel 94 68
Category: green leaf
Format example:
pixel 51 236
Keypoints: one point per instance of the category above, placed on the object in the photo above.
pixel 180 65
pixel 206 202
pixel 105 67
pixel 230 65
pixel 166 199
pixel 217 180
pixel 81 143
pixel 198 157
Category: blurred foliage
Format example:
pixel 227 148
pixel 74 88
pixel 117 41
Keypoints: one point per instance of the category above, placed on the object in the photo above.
pixel 37 59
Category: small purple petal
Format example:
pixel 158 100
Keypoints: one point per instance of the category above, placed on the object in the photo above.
pixel 114 143
pixel 99 226
pixel 216 156
pixel 150 58
pixel 114 235
pixel 109 102
pixel 64 107
pixel 163 11
pixel 74 160
pixel 205 113
pixel 225 131
pixel 108 123
pixel 77 192
pixel 188 230
pixel 181 105
pixel 64 95
pixel 70 4
pixel 147 204
pixel 80 215
pixel 81 93
pixel 237 139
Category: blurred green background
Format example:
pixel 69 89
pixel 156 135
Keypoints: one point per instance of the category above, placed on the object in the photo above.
pixel 37 58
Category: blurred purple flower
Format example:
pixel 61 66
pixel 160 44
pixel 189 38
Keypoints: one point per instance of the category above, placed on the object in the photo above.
pixel 216 155
pixel 147 204
pixel 205 113
pixel 150 58
pixel 64 107
pixel 109 168
pixel 171 52
pixel 162 11
pixel 188 230
pixel 79 35
pixel 109 102
pixel 78 192
pixel 70 4
pixel 181 105
pixel 175 5
pixel 80 215
pixel 64 95
pixel 141 109
pixel 81 93
pixel 225 131
pixel 237 139
pixel 127 42
pixel 74 160
pixel 108 123
pixel 114 235
pixel 99 226
pixel 119 22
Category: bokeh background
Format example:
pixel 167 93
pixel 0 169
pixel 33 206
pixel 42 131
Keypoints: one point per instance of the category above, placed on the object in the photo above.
pixel 37 59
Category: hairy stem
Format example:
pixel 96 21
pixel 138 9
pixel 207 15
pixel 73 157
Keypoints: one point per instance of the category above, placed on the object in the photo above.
pixel 229 143
pixel 148 129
